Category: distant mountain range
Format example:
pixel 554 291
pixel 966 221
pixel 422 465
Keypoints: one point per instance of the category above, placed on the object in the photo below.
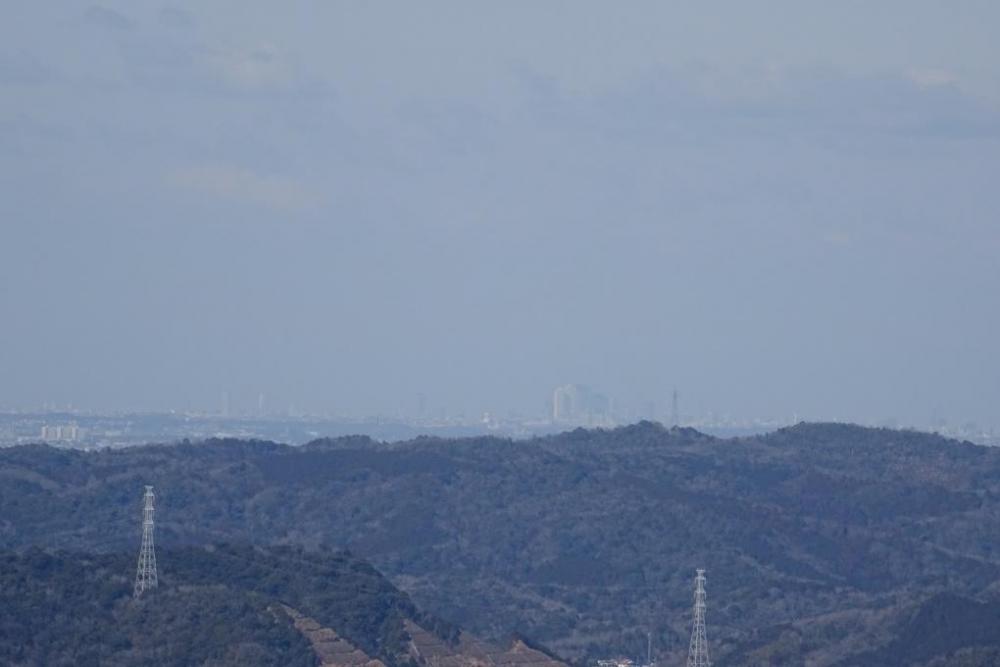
pixel 825 544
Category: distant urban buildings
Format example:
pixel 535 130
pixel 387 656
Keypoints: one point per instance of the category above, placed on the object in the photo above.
pixel 61 433
pixel 569 406
pixel 618 662
pixel 579 404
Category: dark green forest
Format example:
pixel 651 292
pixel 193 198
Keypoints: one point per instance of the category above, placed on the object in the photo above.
pixel 823 542
pixel 216 605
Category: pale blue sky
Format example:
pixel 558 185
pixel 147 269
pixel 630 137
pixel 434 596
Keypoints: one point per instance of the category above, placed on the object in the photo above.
pixel 782 207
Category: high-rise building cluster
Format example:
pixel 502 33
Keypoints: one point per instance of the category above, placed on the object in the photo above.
pixel 579 404
pixel 61 433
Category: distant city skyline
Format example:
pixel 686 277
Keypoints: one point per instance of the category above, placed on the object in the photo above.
pixel 567 405
pixel 344 206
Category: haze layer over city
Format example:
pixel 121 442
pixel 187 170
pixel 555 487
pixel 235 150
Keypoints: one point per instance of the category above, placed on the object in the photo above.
pixel 454 208
pixel 344 333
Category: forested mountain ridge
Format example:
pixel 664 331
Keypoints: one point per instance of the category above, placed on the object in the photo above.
pixel 217 605
pixel 223 605
pixel 821 540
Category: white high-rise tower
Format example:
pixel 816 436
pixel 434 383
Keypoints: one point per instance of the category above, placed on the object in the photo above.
pixel 145 575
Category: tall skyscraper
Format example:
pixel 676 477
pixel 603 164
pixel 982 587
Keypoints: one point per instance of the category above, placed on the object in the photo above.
pixel 578 404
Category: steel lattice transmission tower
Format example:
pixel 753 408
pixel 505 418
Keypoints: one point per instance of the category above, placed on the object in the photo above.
pixel 145 575
pixel 698 651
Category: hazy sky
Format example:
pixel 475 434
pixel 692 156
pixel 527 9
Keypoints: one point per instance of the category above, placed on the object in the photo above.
pixel 777 207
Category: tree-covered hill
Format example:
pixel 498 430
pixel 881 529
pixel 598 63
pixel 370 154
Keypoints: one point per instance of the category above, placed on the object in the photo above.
pixel 216 605
pixel 222 605
pixel 946 630
pixel 819 540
